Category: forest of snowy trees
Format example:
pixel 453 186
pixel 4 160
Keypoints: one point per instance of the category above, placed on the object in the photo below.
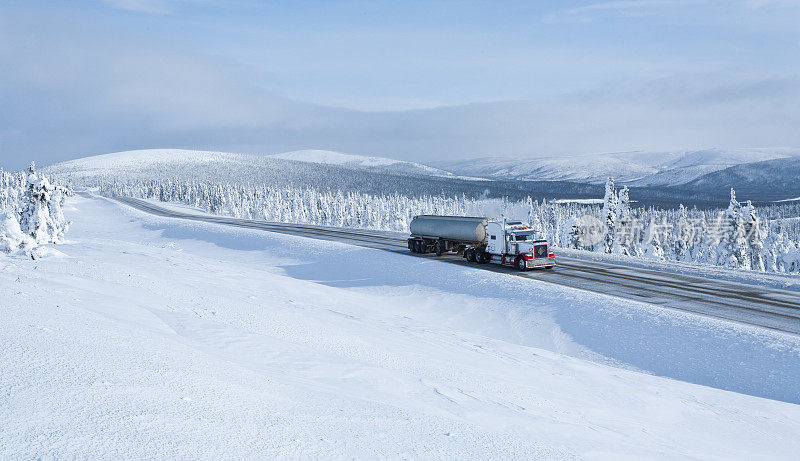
pixel 740 236
pixel 737 237
pixel 30 211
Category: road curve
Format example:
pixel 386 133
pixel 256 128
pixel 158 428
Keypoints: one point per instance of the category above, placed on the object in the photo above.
pixel 743 303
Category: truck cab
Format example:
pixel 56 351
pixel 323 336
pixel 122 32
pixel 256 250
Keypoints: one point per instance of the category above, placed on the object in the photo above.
pixel 512 243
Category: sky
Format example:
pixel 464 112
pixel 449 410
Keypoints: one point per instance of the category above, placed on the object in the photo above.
pixel 426 81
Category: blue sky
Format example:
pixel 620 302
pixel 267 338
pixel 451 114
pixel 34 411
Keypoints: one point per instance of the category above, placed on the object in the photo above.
pixel 425 81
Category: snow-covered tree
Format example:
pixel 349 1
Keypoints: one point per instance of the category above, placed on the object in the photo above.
pixel 41 216
pixel 652 246
pixel 11 236
pixel 609 215
pixel 627 228
pixel 35 218
pixel 733 250
pixel 755 240
pixel 683 234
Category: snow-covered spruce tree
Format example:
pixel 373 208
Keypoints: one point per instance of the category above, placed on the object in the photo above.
pixel 626 229
pixel 11 236
pixel 37 218
pixel 652 246
pixel 683 235
pixel 575 234
pixel 59 223
pixel 733 251
pixel 609 216
pixel 5 184
pixel 755 239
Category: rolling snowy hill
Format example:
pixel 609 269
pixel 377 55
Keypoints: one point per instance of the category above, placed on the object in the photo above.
pixel 318 169
pixel 328 157
pixel 134 160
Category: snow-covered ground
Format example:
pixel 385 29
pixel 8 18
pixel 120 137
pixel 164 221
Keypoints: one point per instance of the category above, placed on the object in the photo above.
pixel 134 159
pixel 156 338
pixel 328 157
pixel 582 201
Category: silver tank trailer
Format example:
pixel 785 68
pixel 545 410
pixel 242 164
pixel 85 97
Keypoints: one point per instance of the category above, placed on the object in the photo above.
pixel 459 228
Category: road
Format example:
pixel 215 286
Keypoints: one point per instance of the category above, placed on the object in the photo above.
pixel 743 303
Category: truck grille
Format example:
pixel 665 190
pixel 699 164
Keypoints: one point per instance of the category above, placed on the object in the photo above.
pixel 540 251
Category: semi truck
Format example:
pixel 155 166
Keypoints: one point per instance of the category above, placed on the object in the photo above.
pixel 481 240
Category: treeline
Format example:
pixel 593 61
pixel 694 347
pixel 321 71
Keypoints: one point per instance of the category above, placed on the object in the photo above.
pixel 739 237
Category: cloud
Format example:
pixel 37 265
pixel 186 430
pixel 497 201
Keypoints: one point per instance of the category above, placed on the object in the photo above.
pixel 695 10
pixel 619 8
pixel 71 91
pixel 142 6
pixel 159 7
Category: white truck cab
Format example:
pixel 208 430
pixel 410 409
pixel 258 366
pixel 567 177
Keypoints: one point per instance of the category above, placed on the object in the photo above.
pixel 515 244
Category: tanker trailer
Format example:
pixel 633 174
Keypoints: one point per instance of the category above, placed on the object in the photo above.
pixel 442 234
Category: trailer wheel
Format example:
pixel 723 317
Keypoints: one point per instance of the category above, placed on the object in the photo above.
pixel 417 246
pixel 411 245
pixel 438 248
pixel 521 264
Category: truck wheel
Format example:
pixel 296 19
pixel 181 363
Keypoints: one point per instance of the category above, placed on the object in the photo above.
pixel 438 248
pixel 469 255
pixel 521 264
pixel 482 257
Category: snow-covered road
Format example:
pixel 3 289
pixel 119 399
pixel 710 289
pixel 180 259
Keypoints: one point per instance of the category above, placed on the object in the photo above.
pixel 161 338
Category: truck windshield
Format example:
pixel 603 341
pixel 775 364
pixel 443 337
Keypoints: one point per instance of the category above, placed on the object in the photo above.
pixel 523 237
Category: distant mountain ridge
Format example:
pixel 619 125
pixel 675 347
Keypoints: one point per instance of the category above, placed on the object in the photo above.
pixel 633 168
pixel 772 180
pixel 587 169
